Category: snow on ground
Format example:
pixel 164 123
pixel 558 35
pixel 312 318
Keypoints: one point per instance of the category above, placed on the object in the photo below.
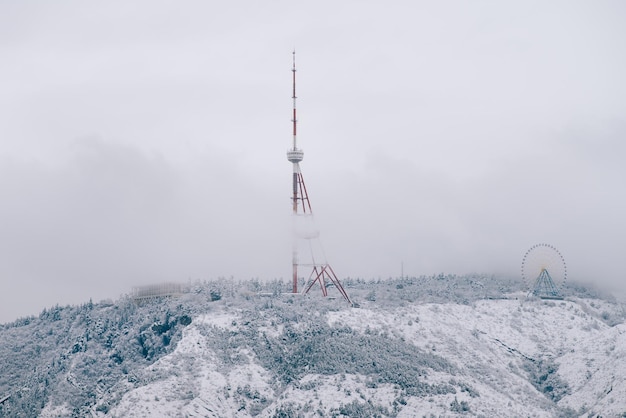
pixel 491 338
pixel 323 394
pixel 50 411
pixel 222 319
pixel 490 342
pixel 529 327
pixel 596 371
pixel 189 382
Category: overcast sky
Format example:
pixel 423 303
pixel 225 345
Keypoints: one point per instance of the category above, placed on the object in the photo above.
pixel 144 141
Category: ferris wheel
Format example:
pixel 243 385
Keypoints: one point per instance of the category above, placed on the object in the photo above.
pixel 544 271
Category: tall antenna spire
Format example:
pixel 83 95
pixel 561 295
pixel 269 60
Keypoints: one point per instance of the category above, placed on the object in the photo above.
pixel 294 120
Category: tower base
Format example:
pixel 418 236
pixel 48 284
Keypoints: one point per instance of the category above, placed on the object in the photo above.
pixel 326 277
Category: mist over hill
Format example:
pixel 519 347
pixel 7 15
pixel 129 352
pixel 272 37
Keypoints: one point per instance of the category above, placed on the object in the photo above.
pixel 430 346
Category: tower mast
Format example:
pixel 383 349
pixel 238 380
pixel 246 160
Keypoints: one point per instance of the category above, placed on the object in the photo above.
pixel 293 96
pixel 301 207
pixel 294 155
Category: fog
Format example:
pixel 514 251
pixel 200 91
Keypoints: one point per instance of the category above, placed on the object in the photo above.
pixel 145 142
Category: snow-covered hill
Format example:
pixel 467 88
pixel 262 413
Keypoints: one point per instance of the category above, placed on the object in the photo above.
pixel 508 357
pixel 397 354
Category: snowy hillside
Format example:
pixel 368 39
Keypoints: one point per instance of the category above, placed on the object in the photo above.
pixel 401 353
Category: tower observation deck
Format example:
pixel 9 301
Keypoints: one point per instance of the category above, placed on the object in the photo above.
pixel 295 155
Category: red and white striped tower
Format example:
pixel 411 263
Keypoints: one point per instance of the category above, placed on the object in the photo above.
pixel 321 273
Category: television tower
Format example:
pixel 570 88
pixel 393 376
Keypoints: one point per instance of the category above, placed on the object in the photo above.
pixel 321 272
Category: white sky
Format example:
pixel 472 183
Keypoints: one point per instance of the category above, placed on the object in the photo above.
pixel 145 141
